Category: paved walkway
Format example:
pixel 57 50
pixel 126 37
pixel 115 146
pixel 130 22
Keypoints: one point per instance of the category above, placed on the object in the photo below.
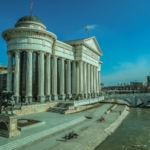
pixel 56 141
pixel 53 122
pixel 90 138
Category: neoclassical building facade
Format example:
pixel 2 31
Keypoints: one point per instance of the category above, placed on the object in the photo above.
pixel 42 68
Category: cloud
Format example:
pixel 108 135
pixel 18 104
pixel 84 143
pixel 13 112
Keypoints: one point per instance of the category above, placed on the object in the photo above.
pixel 126 72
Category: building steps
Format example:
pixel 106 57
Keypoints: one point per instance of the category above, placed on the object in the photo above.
pixel 60 108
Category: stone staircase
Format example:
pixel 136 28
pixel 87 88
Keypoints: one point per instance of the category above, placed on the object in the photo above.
pixel 61 107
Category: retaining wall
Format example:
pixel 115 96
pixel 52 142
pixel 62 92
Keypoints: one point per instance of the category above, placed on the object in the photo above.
pixel 73 109
pixel 34 108
pixel 88 101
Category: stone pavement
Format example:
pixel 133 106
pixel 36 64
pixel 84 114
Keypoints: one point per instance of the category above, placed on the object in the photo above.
pixel 34 137
pixel 56 141
pixel 89 139
pixel 53 123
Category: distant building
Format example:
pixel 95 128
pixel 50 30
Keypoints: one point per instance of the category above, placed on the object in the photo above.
pixel 145 84
pixel 102 85
pixel 148 80
pixel 136 85
pixel 126 88
pixel 3 77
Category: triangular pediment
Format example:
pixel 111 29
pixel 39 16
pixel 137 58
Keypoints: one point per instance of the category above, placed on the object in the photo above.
pixel 88 42
pixel 92 42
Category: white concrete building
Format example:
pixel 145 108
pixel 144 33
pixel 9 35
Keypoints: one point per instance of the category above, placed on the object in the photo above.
pixel 47 69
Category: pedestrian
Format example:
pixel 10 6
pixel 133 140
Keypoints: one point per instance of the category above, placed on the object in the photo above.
pixel 101 119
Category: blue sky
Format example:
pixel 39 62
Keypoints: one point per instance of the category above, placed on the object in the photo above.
pixel 122 28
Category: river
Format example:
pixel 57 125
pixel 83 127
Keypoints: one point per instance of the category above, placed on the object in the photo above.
pixel 132 134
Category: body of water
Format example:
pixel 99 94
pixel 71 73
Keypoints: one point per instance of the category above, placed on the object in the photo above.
pixel 132 134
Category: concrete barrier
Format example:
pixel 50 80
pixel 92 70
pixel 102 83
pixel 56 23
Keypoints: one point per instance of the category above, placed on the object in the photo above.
pixel 88 101
pixel 74 109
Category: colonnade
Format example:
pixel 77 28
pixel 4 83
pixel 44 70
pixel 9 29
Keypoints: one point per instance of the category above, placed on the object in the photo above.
pixel 58 78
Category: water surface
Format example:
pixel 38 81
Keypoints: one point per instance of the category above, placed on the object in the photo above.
pixel 132 134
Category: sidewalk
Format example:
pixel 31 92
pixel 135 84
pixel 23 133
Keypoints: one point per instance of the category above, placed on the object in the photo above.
pixel 89 139
pixel 54 120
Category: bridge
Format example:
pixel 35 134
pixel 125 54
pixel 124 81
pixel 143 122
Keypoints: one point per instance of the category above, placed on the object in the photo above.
pixel 133 100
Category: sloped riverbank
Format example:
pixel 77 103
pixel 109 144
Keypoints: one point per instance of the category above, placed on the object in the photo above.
pixel 90 138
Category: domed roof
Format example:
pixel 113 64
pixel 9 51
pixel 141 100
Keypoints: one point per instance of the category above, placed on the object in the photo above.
pixel 30 18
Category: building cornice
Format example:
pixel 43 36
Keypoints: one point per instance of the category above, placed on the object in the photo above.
pixel 62 44
pixel 81 42
pixel 88 46
pixel 29 22
pixel 100 62
pixel 12 31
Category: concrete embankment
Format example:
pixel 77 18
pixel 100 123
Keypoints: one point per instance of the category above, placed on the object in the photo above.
pixel 115 125
pixel 90 138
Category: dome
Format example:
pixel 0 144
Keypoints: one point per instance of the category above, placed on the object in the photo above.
pixel 30 18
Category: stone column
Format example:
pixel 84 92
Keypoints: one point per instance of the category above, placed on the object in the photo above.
pixel 68 81
pixel 97 81
pixel 89 81
pixel 80 80
pixel 92 91
pixel 48 77
pixel 77 78
pixel 41 97
pixel 54 78
pixel 17 76
pixel 9 72
pixel 85 80
pixel 62 77
pixel 74 78
pixel 28 96
pixel 94 80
